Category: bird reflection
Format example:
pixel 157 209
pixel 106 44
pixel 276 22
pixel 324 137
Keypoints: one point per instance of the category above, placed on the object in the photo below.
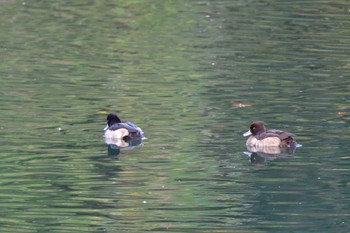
pixel 260 155
pixel 116 145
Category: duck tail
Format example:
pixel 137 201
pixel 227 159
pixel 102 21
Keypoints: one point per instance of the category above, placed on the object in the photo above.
pixel 288 141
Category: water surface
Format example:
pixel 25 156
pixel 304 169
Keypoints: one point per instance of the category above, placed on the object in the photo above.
pixel 193 75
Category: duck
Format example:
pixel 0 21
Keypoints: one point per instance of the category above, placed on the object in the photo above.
pixel 123 132
pixel 260 137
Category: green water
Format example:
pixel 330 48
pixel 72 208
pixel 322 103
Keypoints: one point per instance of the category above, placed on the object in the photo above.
pixel 193 75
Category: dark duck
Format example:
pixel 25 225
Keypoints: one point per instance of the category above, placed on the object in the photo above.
pixel 118 130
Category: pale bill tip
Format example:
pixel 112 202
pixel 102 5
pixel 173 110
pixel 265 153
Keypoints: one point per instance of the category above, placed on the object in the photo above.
pixel 248 133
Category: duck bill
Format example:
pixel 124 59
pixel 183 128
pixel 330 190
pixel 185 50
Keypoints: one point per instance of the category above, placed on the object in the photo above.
pixel 106 127
pixel 248 133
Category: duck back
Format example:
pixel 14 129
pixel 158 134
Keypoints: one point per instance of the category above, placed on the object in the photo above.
pixel 287 139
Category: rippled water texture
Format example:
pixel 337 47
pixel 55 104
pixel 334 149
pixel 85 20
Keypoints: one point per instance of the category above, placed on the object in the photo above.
pixel 193 75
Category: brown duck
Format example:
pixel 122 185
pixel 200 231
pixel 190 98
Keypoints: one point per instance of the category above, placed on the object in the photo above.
pixel 260 137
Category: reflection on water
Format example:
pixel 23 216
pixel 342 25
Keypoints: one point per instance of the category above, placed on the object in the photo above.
pixel 114 146
pixel 193 75
pixel 261 155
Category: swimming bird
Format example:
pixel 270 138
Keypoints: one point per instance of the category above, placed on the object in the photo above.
pixel 118 130
pixel 260 137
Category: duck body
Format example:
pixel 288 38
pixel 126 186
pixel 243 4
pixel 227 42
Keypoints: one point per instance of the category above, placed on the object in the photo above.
pixel 260 137
pixel 117 130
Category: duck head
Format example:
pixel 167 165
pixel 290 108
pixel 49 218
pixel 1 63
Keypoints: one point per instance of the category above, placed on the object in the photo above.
pixel 255 128
pixel 112 119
